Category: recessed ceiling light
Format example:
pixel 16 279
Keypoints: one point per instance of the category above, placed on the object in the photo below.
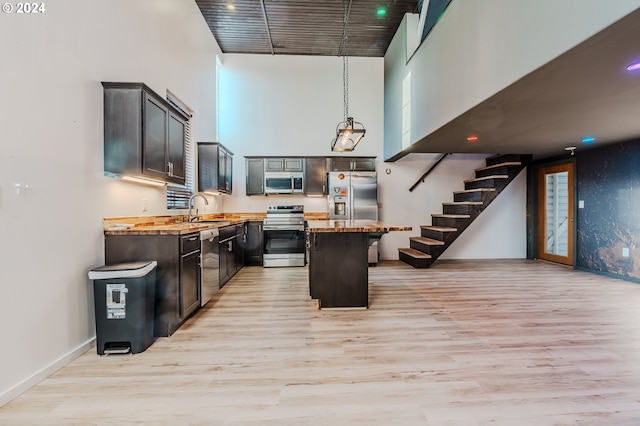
pixel 231 6
pixel 588 139
pixel 634 66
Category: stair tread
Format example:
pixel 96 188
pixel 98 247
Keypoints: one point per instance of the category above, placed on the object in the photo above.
pixel 414 253
pixel 439 228
pixel 428 241
pixel 463 203
pixel 452 216
pixel 474 190
pixel 506 163
pixel 487 178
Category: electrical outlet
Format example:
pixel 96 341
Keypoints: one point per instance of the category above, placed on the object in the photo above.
pixel 625 252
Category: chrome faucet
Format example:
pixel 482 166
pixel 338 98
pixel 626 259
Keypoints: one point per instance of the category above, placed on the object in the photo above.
pixel 191 205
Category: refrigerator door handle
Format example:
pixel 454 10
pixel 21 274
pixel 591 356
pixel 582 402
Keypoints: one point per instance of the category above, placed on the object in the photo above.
pixel 351 214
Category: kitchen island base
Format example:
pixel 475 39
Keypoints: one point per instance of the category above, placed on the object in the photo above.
pixel 338 269
pixel 339 260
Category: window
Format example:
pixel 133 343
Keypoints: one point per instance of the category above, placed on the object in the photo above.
pixel 430 15
pixel 218 65
pixel 406 111
pixel 178 195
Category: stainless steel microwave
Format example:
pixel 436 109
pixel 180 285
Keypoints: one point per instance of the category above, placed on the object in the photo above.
pixel 283 183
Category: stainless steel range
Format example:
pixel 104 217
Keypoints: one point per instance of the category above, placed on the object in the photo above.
pixel 284 238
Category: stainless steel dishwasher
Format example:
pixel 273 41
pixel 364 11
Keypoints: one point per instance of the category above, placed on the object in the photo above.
pixel 209 264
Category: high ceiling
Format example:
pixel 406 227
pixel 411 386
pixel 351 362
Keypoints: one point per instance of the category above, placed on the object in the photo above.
pixel 305 27
pixel 584 92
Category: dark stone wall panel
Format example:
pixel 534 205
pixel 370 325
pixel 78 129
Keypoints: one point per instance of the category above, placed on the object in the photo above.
pixel 608 181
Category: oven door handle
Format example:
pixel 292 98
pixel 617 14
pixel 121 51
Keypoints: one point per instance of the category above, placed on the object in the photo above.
pixel 283 228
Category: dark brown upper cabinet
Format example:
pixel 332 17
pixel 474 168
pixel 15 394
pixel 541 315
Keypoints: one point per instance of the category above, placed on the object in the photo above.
pixel 144 135
pixel 215 168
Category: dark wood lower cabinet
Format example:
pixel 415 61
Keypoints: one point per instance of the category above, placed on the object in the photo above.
pixel 338 269
pixel 230 240
pixel 253 244
pixel 227 259
pixel 189 282
pixel 241 239
pixel 177 273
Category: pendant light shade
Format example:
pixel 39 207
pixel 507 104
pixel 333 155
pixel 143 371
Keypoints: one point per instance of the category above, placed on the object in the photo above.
pixel 348 132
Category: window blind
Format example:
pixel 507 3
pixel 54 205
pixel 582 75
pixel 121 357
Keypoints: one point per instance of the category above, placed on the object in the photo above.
pixel 178 195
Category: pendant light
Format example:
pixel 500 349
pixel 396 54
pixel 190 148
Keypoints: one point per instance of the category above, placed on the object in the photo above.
pixel 348 132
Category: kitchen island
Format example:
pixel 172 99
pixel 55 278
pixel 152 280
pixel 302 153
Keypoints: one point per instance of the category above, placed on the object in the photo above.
pixel 338 260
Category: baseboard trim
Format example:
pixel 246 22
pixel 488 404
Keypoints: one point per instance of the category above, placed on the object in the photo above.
pixel 45 372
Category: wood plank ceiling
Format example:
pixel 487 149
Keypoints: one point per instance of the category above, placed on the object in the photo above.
pixel 288 27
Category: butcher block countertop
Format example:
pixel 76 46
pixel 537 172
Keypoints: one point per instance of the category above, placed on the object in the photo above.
pixel 353 226
pixel 172 225
pixel 178 224
pixel 177 228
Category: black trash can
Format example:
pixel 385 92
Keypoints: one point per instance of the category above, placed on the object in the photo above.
pixel 124 298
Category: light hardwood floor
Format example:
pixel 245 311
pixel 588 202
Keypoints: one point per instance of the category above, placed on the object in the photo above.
pixel 510 342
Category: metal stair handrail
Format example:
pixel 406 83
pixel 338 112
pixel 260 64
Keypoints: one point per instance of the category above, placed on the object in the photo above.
pixel 425 174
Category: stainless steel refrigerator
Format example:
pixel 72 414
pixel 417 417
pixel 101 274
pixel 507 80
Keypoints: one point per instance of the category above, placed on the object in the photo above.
pixel 354 196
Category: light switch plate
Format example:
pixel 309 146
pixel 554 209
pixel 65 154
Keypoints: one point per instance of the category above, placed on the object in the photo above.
pixel 581 204
pixel 625 252
pixel 21 188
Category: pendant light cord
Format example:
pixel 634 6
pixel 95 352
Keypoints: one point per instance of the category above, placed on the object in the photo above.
pixel 345 60
pixel 345 82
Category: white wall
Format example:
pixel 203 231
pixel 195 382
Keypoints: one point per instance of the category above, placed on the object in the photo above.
pixel 51 132
pixel 480 47
pixel 290 105
pixel 287 105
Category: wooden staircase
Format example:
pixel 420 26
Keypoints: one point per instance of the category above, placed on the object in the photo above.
pixel 465 208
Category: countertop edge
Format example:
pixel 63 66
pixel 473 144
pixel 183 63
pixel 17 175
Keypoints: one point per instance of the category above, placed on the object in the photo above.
pixel 183 228
pixel 364 226
pixel 173 228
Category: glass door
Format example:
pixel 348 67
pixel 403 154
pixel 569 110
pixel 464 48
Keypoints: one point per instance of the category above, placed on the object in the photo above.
pixel 555 213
